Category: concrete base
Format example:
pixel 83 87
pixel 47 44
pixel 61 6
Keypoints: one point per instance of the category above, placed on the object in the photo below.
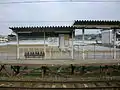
pixel 60 62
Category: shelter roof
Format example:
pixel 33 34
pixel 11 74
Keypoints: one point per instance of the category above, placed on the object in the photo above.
pixel 96 24
pixel 41 28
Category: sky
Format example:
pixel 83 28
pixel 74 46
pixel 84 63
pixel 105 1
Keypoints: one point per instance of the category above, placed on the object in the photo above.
pixel 54 13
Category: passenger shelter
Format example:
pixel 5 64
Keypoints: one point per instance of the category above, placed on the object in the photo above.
pixel 55 39
pixel 98 24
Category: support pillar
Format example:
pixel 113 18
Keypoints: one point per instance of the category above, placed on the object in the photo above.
pixel 50 52
pixel 114 44
pixel 17 53
pixel 72 47
pixel 44 68
pixel 83 56
pixel 23 52
pixel 44 46
pixel 72 69
pixel 101 70
pixel 106 70
pixel 94 51
pixel 110 42
pixel 82 69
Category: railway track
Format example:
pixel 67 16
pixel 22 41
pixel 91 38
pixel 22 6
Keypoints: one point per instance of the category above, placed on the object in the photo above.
pixel 59 85
pixel 88 88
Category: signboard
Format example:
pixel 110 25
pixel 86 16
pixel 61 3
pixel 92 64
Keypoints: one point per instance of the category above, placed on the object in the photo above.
pixel 61 38
pixel 66 40
pixel 53 41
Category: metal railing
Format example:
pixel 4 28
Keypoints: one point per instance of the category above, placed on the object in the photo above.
pixel 94 51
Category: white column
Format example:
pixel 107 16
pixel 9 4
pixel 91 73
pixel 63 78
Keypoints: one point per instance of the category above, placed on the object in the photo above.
pixel 7 50
pixel 83 56
pixel 28 49
pixel 50 52
pixel 23 49
pixel 44 45
pixel 114 36
pixel 72 46
pixel 17 38
pixel 110 42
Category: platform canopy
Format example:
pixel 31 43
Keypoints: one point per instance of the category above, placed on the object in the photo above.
pixel 39 30
pixel 96 24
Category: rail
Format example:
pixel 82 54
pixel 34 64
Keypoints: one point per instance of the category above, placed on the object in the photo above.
pixel 63 85
pixel 86 88
pixel 67 81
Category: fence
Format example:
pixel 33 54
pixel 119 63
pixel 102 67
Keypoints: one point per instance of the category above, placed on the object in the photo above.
pixel 93 51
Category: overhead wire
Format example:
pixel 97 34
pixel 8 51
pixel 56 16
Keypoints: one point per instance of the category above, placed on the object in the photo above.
pixel 40 1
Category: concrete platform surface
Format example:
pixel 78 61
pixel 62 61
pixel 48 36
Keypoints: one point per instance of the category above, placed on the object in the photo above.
pixel 61 62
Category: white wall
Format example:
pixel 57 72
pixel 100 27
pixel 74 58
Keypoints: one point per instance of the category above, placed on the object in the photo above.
pixel 61 41
pixel 107 36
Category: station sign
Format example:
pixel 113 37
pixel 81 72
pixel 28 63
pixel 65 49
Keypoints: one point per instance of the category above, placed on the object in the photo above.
pixel 53 41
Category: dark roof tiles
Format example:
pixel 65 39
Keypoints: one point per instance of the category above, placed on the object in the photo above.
pixel 96 22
